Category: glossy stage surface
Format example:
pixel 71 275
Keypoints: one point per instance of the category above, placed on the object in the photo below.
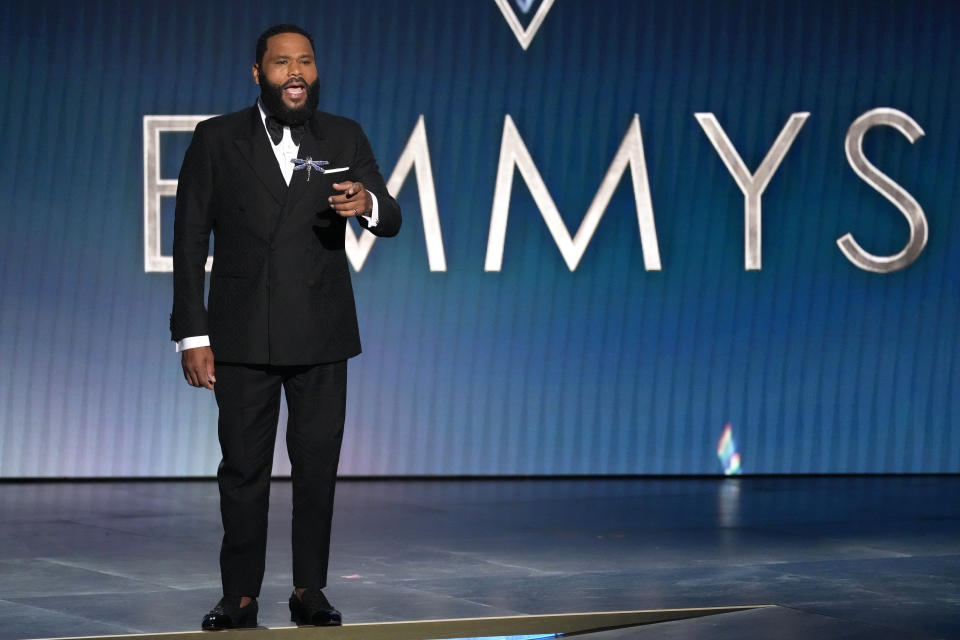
pixel 842 557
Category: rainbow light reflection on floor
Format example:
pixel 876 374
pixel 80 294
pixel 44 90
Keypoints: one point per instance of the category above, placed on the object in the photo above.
pixel 727 452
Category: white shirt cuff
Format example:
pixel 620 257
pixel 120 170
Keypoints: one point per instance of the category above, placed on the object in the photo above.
pixel 374 216
pixel 193 342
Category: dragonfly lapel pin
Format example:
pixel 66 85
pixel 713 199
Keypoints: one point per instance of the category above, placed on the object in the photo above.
pixel 309 164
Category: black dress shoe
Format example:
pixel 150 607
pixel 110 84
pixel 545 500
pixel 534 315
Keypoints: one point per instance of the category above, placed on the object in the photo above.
pixel 313 608
pixel 229 615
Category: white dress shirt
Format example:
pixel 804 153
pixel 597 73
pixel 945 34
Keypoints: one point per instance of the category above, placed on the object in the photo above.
pixel 285 152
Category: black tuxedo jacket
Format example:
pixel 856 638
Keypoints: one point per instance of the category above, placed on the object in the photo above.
pixel 280 289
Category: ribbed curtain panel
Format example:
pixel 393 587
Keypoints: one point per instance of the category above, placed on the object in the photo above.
pixel 628 224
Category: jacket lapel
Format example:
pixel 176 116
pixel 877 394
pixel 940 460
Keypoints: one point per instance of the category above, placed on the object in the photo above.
pixel 256 149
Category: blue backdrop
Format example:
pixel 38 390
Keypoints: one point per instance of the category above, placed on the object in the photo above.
pixel 818 365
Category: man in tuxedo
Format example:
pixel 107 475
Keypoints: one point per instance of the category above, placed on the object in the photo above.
pixel 275 183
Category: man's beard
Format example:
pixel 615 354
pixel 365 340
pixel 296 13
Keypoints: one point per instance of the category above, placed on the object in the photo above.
pixel 272 97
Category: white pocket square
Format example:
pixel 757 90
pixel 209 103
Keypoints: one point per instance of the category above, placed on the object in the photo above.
pixel 337 170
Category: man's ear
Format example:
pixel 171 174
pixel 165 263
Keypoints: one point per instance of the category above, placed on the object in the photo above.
pixel 255 70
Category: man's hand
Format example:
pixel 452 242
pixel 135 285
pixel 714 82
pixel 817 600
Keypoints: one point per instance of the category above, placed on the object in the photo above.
pixel 355 201
pixel 198 367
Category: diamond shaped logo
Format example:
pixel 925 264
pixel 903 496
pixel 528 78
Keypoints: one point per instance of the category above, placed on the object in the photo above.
pixel 524 34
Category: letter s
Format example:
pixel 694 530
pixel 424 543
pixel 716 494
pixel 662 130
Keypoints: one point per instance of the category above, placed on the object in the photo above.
pixel 893 192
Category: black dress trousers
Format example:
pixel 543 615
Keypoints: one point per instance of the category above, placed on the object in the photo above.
pixel 249 400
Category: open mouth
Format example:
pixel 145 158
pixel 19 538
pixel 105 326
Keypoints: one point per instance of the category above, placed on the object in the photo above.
pixel 295 90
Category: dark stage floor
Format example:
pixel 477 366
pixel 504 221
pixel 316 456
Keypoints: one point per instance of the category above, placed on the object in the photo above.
pixel 854 557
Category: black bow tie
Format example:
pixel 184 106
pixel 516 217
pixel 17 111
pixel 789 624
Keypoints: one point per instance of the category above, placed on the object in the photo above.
pixel 275 127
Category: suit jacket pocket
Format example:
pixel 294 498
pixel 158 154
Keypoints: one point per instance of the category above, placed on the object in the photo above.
pixel 230 293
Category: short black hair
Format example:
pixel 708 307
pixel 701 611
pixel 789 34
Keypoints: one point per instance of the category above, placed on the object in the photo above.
pixel 276 30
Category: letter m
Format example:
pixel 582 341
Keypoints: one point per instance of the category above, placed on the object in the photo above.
pixel 514 152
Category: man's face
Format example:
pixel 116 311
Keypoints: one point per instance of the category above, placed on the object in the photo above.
pixel 287 76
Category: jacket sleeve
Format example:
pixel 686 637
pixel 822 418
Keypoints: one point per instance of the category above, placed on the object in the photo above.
pixel 193 221
pixel 365 170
